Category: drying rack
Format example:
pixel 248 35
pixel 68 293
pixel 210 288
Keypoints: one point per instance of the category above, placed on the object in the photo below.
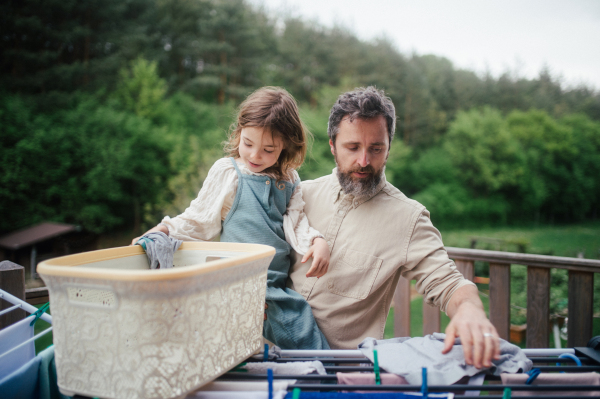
pixel 21 304
pixel 580 359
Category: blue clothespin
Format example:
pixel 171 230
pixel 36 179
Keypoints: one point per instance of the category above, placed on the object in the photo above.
pixel 270 380
pixel 376 368
pixel 266 353
pixel 533 374
pixel 424 390
pixel 569 356
pixel 39 313
pixel 507 393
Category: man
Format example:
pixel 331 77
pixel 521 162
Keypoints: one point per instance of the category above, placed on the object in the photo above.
pixel 376 234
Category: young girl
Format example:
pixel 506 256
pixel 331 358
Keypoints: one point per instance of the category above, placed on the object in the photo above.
pixel 254 196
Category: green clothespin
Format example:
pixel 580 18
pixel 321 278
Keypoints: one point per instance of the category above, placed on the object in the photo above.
pixel 39 313
pixel 142 242
pixel 507 393
pixel 296 393
pixel 376 368
pixel 239 368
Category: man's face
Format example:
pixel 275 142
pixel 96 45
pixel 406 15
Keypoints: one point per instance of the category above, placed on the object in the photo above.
pixel 361 150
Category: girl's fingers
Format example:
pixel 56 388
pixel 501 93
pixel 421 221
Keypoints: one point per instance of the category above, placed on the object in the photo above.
pixel 307 255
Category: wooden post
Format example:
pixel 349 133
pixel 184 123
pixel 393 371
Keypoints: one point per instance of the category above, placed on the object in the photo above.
pixel 467 268
pixel 581 299
pixel 402 308
pixel 12 280
pixel 538 307
pixel 431 319
pixel 500 298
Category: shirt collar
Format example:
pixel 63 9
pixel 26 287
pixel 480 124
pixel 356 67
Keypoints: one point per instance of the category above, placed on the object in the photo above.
pixel 339 193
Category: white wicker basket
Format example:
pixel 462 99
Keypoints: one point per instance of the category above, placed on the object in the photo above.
pixel 124 331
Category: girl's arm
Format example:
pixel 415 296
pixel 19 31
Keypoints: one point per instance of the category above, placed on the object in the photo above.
pixel 201 221
pixel 304 239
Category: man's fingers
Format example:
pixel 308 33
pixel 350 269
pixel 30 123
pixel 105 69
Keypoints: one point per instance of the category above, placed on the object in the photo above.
pixel 491 346
pixel 479 343
pixel 466 340
pixel 449 341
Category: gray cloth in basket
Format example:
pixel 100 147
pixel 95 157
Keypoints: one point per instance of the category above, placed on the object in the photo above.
pixel 159 249
pixel 407 356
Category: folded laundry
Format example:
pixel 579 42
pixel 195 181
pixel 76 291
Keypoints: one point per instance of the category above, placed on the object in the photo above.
pixel 292 368
pixel 369 379
pixel 407 356
pixel 160 249
pixel 246 386
pixel 554 379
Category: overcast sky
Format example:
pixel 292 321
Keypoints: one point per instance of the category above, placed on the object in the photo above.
pixel 496 35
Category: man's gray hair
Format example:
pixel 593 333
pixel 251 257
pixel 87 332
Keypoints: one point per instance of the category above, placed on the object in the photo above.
pixel 362 103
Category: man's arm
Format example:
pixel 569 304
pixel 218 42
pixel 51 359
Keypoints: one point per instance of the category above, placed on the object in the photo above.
pixel 469 322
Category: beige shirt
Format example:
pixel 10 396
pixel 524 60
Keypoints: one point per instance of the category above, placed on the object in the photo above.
pixel 373 242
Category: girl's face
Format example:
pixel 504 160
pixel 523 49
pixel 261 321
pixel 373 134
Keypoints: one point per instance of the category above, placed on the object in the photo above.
pixel 259 149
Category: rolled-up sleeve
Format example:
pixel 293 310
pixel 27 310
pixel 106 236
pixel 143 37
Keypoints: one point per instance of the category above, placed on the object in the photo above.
pixel 298 233
pixel 428 263
pixel 201 221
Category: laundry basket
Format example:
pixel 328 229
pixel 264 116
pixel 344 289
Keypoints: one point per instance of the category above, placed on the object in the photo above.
pixel 122 330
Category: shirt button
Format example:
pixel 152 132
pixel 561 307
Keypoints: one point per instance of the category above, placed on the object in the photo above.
pixel 341 212
pixel 268 182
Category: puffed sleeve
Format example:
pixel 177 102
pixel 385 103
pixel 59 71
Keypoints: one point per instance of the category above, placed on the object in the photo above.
pixel 298 232
pixel 428 263
pixel 201 221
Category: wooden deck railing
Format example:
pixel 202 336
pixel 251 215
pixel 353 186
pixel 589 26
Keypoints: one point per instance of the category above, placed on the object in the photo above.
pixel 580 295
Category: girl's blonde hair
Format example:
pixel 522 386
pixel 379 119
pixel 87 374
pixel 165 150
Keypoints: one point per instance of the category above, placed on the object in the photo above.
pixel 275 110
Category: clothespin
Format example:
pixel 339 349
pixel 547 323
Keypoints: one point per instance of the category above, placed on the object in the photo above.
pixel 142 242
pixel 266 353
pixel 533 374
pixel 570 356
pixel 376 368
pixel 39 313
pixel 270 380
pixel 424 390
pixel 239 368
pixel 507 393
pixel 296 393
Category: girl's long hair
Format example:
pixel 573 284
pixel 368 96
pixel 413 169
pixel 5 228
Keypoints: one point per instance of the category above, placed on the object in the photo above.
pixel 275 110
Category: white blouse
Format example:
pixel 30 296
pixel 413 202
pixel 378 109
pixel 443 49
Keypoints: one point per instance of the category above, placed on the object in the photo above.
pixel 202 220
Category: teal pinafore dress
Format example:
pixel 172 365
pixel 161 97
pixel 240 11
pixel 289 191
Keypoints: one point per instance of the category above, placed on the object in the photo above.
pixel 256 217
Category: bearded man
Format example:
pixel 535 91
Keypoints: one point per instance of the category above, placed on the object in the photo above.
pixel 376 234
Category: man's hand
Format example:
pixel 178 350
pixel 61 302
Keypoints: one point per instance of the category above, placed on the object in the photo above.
pixel 320 253
pixel 478 336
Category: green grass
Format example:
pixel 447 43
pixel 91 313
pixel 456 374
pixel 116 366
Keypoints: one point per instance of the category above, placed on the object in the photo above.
pixel 545 240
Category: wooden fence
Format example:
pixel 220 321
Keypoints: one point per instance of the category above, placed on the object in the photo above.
pixel 580 295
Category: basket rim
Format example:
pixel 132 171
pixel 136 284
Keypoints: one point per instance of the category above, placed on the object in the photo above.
pixel 64 266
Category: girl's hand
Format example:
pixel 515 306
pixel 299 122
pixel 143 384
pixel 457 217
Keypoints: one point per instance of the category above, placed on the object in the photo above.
pixel 320 254
pixel 160 227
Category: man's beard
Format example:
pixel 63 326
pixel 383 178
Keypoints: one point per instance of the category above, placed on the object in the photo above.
pixel 364 187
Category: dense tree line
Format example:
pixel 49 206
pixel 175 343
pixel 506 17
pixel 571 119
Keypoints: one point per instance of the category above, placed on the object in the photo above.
pixel 112 111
